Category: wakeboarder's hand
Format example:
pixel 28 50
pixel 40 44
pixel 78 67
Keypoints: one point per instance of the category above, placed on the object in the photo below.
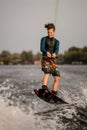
pixel 53 55
pixel 49 54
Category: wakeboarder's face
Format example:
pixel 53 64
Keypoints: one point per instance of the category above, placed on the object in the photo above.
pixel 50 33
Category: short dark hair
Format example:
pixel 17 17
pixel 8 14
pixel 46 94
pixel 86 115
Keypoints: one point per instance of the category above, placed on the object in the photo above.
pixel 50 26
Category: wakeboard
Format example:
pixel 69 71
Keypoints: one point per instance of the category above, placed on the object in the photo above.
pixel 49 97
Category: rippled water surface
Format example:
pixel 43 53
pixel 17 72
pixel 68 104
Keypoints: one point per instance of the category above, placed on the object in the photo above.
pixel 21 109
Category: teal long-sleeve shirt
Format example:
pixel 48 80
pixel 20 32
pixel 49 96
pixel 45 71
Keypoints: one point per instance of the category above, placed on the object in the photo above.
pixel 43 46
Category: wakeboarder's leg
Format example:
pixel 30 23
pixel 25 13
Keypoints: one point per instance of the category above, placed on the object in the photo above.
pixel 45 81
pixel 55 84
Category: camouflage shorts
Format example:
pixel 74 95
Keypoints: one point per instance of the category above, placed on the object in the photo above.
pixel 49 66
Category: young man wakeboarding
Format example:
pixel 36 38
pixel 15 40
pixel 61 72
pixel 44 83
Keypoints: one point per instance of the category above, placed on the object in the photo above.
pixel 49 47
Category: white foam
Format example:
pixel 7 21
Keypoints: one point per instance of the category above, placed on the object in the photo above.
pixel 12 118
pixel 64 95
pixel 84 90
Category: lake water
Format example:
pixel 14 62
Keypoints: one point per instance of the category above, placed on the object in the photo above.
pixel 21 109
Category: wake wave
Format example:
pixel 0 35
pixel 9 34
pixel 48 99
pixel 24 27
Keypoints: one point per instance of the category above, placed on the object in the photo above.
pixel 55 117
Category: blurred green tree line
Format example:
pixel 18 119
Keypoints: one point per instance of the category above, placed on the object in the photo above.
pixel 25 57
pixel 73 55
